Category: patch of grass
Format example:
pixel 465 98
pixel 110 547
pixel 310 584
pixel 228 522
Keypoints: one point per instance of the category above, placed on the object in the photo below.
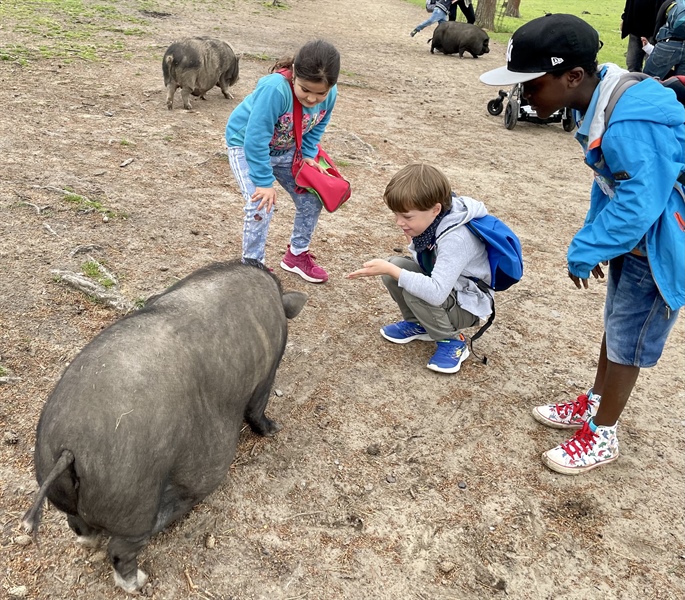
pixel 85 204
pixel 276 5
pixel 127 143
pixel 343 163
pixel 66 29
pixel 15 53
pixel 3 371
pixel 604 16
pixel 92 269
pixel 260 56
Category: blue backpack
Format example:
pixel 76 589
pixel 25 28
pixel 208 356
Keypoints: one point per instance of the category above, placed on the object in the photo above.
pixel 505 258
pixel 504 251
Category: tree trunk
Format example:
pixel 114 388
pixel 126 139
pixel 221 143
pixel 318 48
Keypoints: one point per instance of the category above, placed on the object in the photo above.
pixel 485 14
pixel 512 9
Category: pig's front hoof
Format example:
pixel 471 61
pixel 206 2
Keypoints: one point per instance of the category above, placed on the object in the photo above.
pixel 133 584
pixel 265 427
pixel 274 428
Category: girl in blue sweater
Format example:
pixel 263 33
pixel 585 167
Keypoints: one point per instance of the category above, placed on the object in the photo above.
pixel 261 148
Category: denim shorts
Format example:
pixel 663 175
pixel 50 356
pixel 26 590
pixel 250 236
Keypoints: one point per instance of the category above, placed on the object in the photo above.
pixel 636 318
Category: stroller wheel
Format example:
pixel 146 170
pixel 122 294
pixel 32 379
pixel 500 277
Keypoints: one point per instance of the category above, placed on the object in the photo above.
pixel 495 106
pixel 511 114
pixel 567 122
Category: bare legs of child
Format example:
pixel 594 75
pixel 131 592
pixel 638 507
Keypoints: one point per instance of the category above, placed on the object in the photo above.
pixel 614 383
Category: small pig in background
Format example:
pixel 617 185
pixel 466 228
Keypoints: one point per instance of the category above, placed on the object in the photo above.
pixel 196 65
pixel 144 422
pixel 452 37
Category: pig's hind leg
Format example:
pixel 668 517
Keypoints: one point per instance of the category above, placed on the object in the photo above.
pixel 223 86
pixel 123 554
pixel 254 413
pixel 86 535
pixel 170 91
pixel 185 94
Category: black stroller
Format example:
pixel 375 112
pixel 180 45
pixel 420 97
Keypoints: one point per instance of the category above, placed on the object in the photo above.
pixel 518 109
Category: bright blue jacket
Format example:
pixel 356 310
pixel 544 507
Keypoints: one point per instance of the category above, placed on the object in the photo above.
pixel 635 199
pixel 263 125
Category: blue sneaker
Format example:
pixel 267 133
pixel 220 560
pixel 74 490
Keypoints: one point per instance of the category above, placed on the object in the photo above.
pixel 449 355
pixel 403 332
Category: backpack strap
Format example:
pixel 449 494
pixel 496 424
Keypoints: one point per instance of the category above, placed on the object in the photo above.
pixel 485 327
pixel 624 82
pixel 484 287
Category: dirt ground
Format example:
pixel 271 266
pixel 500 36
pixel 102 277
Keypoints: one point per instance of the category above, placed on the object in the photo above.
pixel 387 480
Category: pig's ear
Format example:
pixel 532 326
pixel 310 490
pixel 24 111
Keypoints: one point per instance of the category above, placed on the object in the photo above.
pixel 293 303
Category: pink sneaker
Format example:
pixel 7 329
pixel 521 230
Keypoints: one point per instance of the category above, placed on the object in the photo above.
pixel 304 265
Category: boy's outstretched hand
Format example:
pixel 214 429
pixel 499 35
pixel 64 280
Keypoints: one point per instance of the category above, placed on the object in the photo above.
pixel 597 273
pixel 374 267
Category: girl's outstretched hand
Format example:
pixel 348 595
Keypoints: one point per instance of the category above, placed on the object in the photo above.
pixel 266 196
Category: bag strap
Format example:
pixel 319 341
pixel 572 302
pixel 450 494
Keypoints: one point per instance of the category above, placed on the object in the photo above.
pixel 624 82
pixel 484 287
pixel 297 109
pixel 482 330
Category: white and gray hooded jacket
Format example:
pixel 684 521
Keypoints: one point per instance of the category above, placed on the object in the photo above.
pixel 460 255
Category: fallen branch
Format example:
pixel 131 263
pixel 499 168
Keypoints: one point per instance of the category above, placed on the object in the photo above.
pixel 50 229
pixel 39 209
pixel 52 188
pixel 9 379
pixel 109 297
pixel 85 248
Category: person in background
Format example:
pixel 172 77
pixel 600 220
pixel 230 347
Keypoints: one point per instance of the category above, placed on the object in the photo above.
pixel 466 7
pixel 638 21
pixel 667 56
pixel 440 13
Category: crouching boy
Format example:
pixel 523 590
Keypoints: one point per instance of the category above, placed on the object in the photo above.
pixel 435 289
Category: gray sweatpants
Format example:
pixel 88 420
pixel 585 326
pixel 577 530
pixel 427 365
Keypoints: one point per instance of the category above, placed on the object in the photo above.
pixel 441 322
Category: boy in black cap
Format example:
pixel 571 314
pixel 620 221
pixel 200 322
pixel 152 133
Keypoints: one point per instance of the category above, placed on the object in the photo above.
pixel 636 219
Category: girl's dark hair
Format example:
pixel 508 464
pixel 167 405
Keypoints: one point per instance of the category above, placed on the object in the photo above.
pixel 418 186
pixel 317 61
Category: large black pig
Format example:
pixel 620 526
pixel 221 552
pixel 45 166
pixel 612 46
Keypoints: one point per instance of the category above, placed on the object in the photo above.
pixel 144 422
pixel 452 37
pixel 196 65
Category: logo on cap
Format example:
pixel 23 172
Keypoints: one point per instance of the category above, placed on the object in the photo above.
pixel 509 48
pixel 556 61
